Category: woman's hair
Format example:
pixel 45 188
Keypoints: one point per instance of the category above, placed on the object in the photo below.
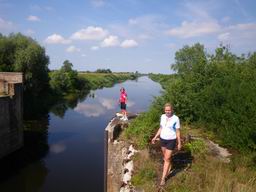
pixel 122 89
pixel 168 105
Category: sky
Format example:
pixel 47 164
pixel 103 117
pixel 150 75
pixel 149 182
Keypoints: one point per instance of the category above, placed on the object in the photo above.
pixel 129 35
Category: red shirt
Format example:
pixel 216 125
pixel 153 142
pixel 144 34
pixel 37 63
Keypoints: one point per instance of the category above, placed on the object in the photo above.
pixel 123 97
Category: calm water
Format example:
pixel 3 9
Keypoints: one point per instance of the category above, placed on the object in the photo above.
pixel 74 156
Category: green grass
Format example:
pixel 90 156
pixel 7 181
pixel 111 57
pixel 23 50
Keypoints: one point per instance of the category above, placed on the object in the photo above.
pixel 195 147
pixel 206 173
pixel 100 80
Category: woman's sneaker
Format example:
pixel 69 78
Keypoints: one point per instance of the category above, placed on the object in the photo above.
pixel 125 118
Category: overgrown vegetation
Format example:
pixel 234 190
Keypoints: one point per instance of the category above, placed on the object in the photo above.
pixel 98 80
pixel 214 92
pixel 66 80
pixel 195 147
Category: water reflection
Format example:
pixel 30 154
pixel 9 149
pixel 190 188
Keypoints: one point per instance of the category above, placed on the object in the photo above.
pixel 70 102
pixel 57 148
pixel 90 110
pixel 64 150
pixel 130 103
pixel 29 157
pixel 107 103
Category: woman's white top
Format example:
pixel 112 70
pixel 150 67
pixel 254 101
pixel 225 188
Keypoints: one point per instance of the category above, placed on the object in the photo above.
pixel 169 126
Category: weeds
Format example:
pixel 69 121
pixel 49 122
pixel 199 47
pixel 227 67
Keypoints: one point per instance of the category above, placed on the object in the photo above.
pixel 195 147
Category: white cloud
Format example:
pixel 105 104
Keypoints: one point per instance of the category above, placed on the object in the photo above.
pixel 57 148
pixel 132 21
pixel 147 26
pixel 194 29
pixel 6 25
pixel 90 110
pixel 143 37
pixel 94 48
pixel 171 45
pixel 41 8
pixel 243 34
pixel 83 55
pixel 98 3
pixel 30 32
pixel 244 26
pixel 130 103
pixel 33 18
pixel 90 33
pixel 225 19
pixel 108 103
pixel 56 39
pixel 148 60
pixel 72 49
pixel 197 10
pixel 224 37
pixel 110 41
pixel 128 43
pixel 48 8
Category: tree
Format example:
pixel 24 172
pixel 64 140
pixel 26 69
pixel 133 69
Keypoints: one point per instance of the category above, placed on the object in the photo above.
pixel 190 59
pixel 66 79
pixel 67 66
pixel 19 53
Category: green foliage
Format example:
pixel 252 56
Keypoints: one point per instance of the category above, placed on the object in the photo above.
pixel 103 71
pixel 190 60
pixel 196 147
pixel 144 175
pixel 19 53
pixel 145 125
pixel 66 80
pixel 99 80
pixel 67 66
pixel 218 91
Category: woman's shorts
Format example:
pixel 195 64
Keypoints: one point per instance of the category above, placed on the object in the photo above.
pixel 169 144
pixel 123 106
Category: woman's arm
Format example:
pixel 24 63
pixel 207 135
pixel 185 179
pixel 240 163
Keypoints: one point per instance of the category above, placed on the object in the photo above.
pixel 178 138
pixel 156 136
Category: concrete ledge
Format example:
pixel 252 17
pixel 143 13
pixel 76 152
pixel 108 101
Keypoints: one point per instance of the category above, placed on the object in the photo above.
pixel 115 152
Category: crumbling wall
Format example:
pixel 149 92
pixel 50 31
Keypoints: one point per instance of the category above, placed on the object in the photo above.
pixel 11 112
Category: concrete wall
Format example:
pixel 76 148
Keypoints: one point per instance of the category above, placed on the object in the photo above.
pixel 11 113
pixel 11 77
pixel 2 87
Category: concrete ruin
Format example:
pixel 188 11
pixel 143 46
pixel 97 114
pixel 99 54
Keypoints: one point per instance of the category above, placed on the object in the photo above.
pixel 116 152
pixel 11 112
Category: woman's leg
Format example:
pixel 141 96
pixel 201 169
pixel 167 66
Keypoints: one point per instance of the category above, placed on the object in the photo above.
pixel 163 151
pixel 167 163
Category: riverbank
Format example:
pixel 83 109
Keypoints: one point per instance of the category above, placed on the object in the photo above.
pixel 100 80
pixel 197 167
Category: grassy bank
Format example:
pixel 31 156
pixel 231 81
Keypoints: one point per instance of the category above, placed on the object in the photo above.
pixel 99 80
pixel 195 168
pixel 214 96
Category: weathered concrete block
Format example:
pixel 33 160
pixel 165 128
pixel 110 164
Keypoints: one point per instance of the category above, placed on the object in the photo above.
pixel 11 112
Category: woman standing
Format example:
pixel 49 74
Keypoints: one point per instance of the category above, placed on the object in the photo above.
pixel 122 101
pixel 169 133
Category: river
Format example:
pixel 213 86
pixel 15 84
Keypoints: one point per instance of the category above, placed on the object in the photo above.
pixel 73 156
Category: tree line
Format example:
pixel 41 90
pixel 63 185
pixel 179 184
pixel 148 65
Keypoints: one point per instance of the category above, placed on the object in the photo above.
pixel 19 53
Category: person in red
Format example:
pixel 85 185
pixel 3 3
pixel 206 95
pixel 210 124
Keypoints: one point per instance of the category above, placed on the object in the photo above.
pixel 122 101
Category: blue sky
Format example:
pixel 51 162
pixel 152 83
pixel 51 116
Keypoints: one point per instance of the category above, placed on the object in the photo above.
pixel 129 35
